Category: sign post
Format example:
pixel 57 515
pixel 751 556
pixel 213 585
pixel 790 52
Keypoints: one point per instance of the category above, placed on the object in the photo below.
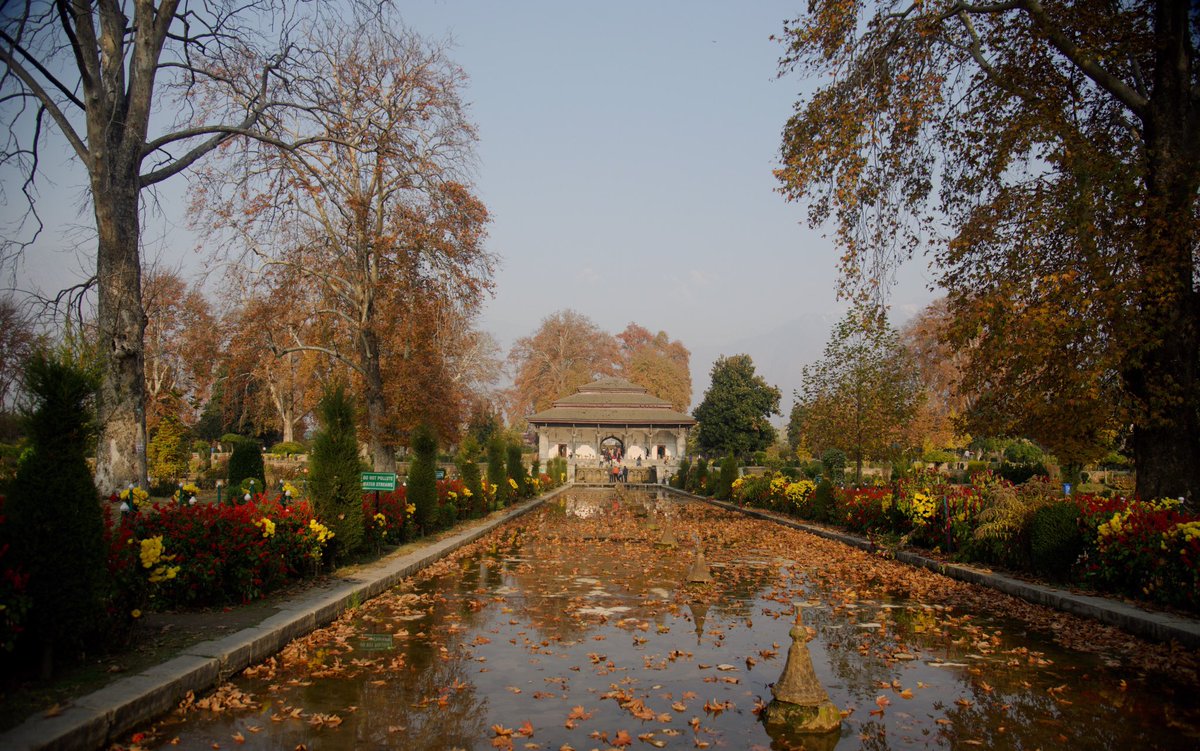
pixel 377 481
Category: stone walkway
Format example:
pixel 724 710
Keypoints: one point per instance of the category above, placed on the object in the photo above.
pixel 94 720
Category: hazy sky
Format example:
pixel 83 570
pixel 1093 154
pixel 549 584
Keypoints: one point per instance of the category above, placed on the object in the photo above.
pixel 626 154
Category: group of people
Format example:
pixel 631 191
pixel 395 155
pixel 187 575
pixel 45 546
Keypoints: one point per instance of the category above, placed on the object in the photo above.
pixel 619 472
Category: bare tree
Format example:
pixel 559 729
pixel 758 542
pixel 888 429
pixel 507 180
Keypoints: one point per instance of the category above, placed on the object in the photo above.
pixel 375 214
pixel 94 70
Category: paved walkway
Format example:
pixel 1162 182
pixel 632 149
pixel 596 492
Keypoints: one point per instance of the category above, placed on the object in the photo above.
pixel 98 718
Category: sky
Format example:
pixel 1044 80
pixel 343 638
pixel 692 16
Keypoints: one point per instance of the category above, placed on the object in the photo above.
pixel 625 153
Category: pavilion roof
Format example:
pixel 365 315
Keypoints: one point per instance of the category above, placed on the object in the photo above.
pixel 611 401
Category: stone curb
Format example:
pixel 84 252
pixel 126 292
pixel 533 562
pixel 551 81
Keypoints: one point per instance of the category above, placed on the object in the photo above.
pixel 101 716
pixel 1148 624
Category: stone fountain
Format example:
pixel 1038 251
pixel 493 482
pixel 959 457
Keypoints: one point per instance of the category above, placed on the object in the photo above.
pixel 801 707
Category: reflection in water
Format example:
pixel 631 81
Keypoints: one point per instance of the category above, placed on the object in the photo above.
pixel 572 625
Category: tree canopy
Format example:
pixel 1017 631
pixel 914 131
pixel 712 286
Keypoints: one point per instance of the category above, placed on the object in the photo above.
pixel 126 85
pixel 735 413
pixel 862 395
pixel 1048 156
pixel 569 350
pixel 370 215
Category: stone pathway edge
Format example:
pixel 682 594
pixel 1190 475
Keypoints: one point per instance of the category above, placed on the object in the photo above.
pixel 94 720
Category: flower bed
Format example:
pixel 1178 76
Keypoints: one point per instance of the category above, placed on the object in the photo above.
pixel 175 554
pixel 1147 550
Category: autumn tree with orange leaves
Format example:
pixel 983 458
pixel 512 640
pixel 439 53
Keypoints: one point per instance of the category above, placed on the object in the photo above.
pixel 657 363
pixel 374 217
pixel 276 392
pixel 569 350
pixel 1048 156
pixel 940 419
pixel 181 345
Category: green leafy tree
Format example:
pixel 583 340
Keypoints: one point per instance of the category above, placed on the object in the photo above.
pixel 833 464
pixel 246 463
pixel 1048 156
pixel 735 414
pixel 796 439
pixel 54 517
pixel 422 477
pixel 168 452
pixel 496 474
pixel 862 395
pixel 468 469
pixel 334 480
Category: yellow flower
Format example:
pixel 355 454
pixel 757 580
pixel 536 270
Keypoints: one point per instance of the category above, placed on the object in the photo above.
pixel 136 613
pixel 268 526
pixel 291 490
pixel 380 520
pixel 191 489
pixel 151 551
pixel 134 496
pixel 321 532
pixel 162 573
pixel 466 492
pixel 410 509
pixel 512 483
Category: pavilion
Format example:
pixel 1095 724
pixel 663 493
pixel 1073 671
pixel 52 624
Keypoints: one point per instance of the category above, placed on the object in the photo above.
pixel 611 417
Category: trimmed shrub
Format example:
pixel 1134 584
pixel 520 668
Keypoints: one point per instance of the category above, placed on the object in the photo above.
pixel 55 522
pixel 1055 541
pixel 246 463
pixel 724 481
pixel 495 470
pixel 833 462
pixel 556 468
pixel 422 478
pixel 680 480
pixel 333 474
pixel 287 448
pixel 515 469
pixel 1019 474
pixel 824 502
pixel 975 467
pixel 468 469
pixel 697 479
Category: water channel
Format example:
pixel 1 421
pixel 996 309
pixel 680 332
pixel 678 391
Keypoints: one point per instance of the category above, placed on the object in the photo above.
pixel 575 628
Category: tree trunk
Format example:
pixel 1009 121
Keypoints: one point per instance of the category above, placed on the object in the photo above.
pixel 383 453
pixel 289 427
pixel 1162 375
pixel 121 448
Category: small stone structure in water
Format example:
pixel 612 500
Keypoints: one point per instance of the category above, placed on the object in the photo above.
pixel 801 706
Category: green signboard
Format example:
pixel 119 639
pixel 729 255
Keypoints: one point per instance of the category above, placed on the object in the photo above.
pixel 385 481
